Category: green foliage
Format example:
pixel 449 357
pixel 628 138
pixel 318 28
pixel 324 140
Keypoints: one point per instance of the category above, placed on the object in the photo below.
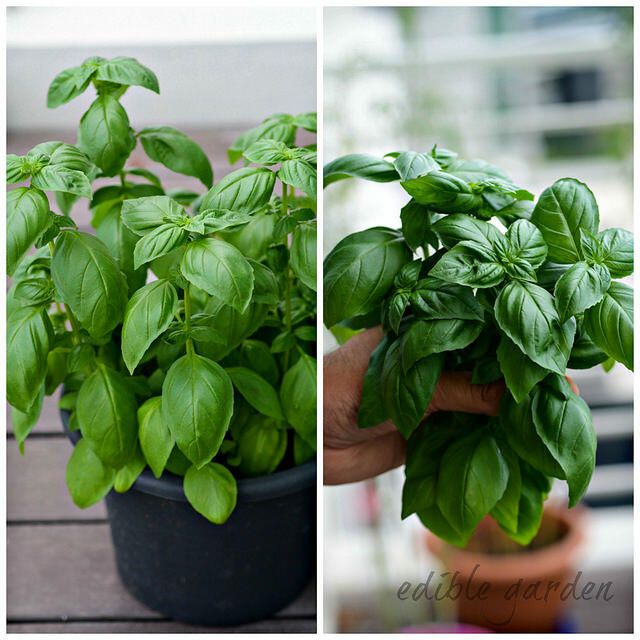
pixel 184 330
pixel 454 291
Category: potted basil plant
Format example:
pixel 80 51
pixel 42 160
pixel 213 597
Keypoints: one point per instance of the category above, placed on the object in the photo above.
pixel 522 299
pixel 184 335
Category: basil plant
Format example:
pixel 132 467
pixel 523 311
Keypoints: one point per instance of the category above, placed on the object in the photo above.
pixel 523 300
pixel 184 330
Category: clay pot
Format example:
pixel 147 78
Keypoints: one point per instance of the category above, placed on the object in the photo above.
pixel 518 596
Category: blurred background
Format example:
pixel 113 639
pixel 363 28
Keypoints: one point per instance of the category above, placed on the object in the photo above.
pixel 221 70
pixel 543 92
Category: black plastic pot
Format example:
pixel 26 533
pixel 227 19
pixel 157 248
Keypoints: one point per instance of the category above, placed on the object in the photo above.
pixel 178 563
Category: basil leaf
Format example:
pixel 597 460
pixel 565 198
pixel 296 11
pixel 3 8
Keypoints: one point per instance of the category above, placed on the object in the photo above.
pixel 486 370
pixel 476 170
pixel 106 410
pixel 560 213
pixel 67 85
pixel 105 136
pixel 359 165
pixel 426 337
pixel 218 219
pixel 88 479
pixel 459 227
pixel 302 452
pixel 525 242
pixel 563 422
pixel 267 152
pixel 219 269
pixel 23 423
pixel 527 314
pixel 18 169
pixel 416 225
pixel 269 130
pixel 410 164
pixel 88 279
pixel 29 338
pixel 261 447
pixel 298 398
pixel 359 271
pixel 27 218
pixel 520 373
pixel 197 403
pixel 59 178
pixel 299 174
pixel 308 121
pixel 130 472
pixel 148 314
pixel 256 391
pixel 177 152
pixel 143 215
pixel 302 254
pixel 265 284
pixel 506 510
pixel 396 308
pixel 407 391
pixel 153 179
pixel 156 440
pixel 372 411
pixel 212 491
pixel 261 360
pixel 473 476
pixel 580 287
pixel 434 520
pixel 516 423
pixel 443 192
pixel 127 71
pixel 609 323
pixel 244 190
pixel 437 300
pixel 470 264
pixel 159 242
pixel 617 251
pixel 584 353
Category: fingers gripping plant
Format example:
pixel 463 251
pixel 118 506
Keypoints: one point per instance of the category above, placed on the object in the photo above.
pixel 452 291
pixel 185 340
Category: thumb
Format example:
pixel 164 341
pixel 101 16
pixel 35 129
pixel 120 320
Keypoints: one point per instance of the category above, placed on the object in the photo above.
pixel 454 392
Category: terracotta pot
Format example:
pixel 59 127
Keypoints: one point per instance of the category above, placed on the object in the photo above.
pixel 517 596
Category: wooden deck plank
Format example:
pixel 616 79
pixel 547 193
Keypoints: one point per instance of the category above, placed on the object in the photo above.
pixel 38 489
pixel 67 572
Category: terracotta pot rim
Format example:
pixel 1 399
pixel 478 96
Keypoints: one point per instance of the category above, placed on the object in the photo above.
pixel 509 566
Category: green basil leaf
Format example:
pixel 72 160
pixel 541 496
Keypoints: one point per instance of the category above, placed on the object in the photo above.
pixel 470 264
pixel 359 271
pixel 434 520
pixel 244 190
pixel 298 397
pixel 506 510
pixel 580 287
pixel 18 168
pixel 106 410
pixel 265 284
pixel 105 136
pixel 27 218
pixel 560 213
pixel 151 177
pixel 609 323
pixel 301 175
pixel 212 491
pixel 426 337
pixel 67 85
pixel 459 227
pixel 410 164
pixel 177 152
pixel 256 391
pixel 397 306
pixel 435 299
pixel 416 225
pixel 563 422
pixel 520 373
pixel 584 353
pixel 88 279
pixel 261 360
pixel 159 242
pixel 308 121
pixel 302 452
pixel 527 314
pixel 23 423
pixel 516 422
pixel 88 479
pixel 473 476
pixel 155 438
pixel 407 391
pixel 617 251
pixel 219 269
pixel 218 219
pixel 359 165
pixel 59 178
pixel 129 473
pixel 261 446
pixel 269 130
pixel 476 170
pixel 443 192
pixel 486 370
pixel 29 338
pixel 267 152
pixel 143 215
pixel 197 403
pixel 302 254
pixel 127 71
pixel 525 242
pixel 372 411
pixel 148 315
